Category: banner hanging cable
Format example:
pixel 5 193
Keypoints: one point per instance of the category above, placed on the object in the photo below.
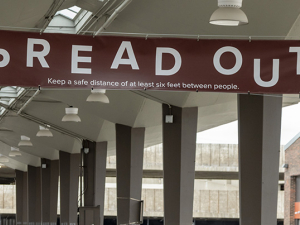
pixel 152 35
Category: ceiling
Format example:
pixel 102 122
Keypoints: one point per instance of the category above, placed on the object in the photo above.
pixel 267 19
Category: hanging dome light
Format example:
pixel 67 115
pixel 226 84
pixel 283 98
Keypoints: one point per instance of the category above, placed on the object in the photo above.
pixel 98 95
pixel 229 14
pixel 25 141
pixel 44 132
pixel 71 115
pixel 3 159
pixel 14 152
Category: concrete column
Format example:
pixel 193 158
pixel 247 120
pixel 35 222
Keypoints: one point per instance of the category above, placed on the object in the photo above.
pixel 49 191
pixel 94 175
pixel 22 198
pixel 69 180
pixel 129 151
pixel 259 145
pixel 179 150
pixel 34 195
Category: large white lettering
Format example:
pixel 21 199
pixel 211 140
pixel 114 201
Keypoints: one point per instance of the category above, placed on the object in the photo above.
pixel 238 63
pixel 297 50
pixel 76 59
pixel 40 55
pixel 275 76
pixel 6 58
pixel 158 65
pixel 126 45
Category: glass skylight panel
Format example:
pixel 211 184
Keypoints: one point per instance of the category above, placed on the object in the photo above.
pixel 67 13
pixel 70 12
pixel 75 9
pixel 8 95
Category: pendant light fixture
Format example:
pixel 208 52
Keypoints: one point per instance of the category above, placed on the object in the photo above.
pixel 15 152
pixel 98 95
pixel 3 159
pixel 44 132
pixel 229 14
pixel 25 141
pixel 71 115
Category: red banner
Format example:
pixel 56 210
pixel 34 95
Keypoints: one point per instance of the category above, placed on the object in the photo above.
pixel 174 64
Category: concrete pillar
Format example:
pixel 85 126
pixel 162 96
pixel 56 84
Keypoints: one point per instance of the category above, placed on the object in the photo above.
pixel 34 195
pixel 22 198
pixel 259 120
pixel 69 180
pixel 129 152
pixel 94 175
pixel 179 150
pixel 49 191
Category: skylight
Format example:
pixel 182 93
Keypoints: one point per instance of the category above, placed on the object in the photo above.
pixel 8 95
pixel 70 13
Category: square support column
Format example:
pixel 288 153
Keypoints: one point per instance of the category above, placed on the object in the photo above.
pixel 49 191
pixel 69 180
pixel 21 197
pixel 94 175
pixel 34 195
pixel 130 151
pixel 259 120
pixel 179 150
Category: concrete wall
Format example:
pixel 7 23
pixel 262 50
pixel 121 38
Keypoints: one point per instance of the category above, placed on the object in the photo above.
pixel 212 198
pixel 7 199
pixel 209 157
